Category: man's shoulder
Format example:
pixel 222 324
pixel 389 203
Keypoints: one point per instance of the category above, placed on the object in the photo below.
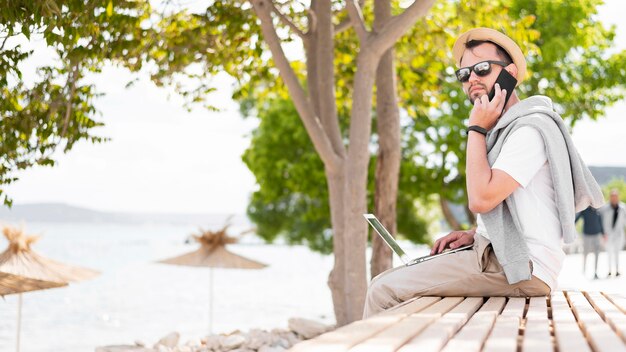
pixel 527 135
pixel 536 104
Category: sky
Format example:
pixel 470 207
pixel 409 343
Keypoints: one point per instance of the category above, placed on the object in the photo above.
pixel 162 158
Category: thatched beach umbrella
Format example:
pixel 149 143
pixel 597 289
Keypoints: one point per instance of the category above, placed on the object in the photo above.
pixel 22 270
pixel 213 254
pixel 12 284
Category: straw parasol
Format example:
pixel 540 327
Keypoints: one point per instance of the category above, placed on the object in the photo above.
pixel 11 284
pixel 213 254
pixel 23 270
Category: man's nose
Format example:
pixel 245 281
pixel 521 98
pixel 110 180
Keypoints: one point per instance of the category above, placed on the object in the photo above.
pixel 473 77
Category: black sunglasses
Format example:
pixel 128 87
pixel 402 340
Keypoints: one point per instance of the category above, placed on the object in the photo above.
pixel 481 69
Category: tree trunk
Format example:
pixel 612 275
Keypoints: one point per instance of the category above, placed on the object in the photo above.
pixel 448 215
pixel 355 235
pixel 336 279
pixel 388 158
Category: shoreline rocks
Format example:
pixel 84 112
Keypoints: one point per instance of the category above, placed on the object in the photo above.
pixel 255 340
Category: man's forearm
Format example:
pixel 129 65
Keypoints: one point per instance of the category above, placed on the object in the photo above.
pixel 478 172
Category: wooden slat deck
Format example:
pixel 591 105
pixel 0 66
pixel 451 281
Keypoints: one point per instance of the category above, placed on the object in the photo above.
pixel 564 321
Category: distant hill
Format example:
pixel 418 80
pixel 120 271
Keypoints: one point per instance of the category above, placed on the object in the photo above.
pixel 604 174
pixel 62 213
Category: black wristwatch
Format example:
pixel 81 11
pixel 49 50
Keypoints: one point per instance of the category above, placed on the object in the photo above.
pixel 478 129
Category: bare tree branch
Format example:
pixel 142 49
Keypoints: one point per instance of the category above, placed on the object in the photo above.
pixel 298 95
pixel 347 23
pixel 4 42
pixel 72 78
pixel 343 25
pixel 312 22
pixel 356 18
pixel 286 21
pixel 398 25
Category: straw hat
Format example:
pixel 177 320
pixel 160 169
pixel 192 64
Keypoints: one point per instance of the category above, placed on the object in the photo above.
pixel 495 37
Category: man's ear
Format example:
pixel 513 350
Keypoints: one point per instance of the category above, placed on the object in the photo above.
pixel 512 69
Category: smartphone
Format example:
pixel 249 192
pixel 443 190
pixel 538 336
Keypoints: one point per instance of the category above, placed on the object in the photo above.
pixel 506 81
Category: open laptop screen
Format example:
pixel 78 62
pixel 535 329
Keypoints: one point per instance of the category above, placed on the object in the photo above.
pixel 382 231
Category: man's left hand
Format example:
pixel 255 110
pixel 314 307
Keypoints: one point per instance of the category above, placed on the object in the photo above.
pixel 486 113
pixel 453 240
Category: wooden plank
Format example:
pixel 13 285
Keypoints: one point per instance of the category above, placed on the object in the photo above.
pixel 503 337
pixel 345 337
pixel 599 334
pixel 561 311
pixel 609 313
pixel 569 337
pixel 515 307
pixel 402 308
pixel 437 335
pixel 493 305
pixel 390 339
pixel 567 332
pixel 473 335
pixel 537 334
pixel 618 300
pixel 537 327
pixel 537 308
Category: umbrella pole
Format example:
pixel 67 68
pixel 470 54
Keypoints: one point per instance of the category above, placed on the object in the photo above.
pixel 210 301
pixel 19 322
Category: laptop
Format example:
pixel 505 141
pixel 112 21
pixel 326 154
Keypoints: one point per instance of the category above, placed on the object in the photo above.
pixel 395 247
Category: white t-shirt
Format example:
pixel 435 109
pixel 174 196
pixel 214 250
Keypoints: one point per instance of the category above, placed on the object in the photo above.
pixel 524 158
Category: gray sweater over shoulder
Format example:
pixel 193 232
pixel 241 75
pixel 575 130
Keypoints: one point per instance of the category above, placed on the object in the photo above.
pixel 574 186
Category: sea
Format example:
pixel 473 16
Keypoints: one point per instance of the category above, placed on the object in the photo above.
pixel 137 299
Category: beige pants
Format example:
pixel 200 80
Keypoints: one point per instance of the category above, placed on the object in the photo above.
pixel 473 272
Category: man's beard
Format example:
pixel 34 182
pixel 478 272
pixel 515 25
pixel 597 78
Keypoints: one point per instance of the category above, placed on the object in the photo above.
pixel 477 94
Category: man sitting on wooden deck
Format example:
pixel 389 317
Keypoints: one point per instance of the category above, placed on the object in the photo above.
pixel 525 180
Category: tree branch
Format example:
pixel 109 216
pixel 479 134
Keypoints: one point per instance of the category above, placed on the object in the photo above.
pixel 312 22
pixel 398 25
pixel 70 99
pixel 343 25
pixel 4 42
pixel 286 21
pixel 356 18
pixel 346 23
pixel 301 101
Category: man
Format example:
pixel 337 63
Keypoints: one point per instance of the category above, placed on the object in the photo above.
pixel 514 173
pixel 613 223
pixel 592 229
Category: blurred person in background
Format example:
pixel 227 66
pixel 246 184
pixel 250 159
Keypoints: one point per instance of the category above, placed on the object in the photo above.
pixel 613 223
pixel 592 231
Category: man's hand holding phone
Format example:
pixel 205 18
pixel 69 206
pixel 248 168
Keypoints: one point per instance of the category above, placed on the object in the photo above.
pixel 486 113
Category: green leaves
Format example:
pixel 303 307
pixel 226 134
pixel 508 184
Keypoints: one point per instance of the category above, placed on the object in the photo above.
pixel 110 8
pixel 292 199
pixel 574 64
pixel 188 49
pixel 57 110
